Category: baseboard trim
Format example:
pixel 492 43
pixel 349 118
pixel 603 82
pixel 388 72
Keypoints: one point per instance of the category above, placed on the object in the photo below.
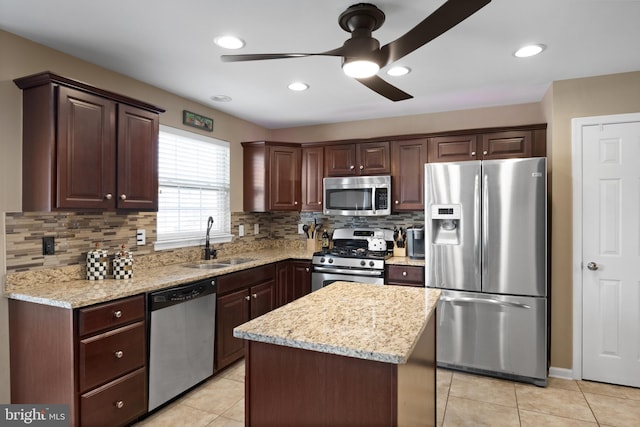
pixel 562 373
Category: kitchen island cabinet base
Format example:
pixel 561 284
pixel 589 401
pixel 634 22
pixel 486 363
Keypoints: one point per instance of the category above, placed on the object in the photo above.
pixel 288 386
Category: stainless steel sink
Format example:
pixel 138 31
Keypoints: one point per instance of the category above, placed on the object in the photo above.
pixel 235 261
pixel 207 265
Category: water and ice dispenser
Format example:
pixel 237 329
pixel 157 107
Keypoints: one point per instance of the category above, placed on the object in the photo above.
pixel 445 224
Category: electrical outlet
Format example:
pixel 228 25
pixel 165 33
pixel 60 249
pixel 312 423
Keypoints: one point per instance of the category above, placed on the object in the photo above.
pixel 48 245
pixel 240 230
pixel 141 237
pixel 256 228
pixel 300 230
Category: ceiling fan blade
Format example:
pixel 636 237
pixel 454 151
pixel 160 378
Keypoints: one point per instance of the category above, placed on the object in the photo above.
pixel 385 89
pixel 443 19
pixel 262 56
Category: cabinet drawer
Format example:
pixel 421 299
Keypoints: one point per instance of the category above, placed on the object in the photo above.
pixel 106 356
pixel 116 403
pixel 405 274
pixel 110 315
pixel 246 278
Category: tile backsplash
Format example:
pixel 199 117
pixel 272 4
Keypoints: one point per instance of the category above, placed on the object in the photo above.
pixel 77 232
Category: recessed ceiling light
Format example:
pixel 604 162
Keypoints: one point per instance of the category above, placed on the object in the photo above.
pixel 221 98
pixel 400 70
pixel 298 86
pixel 529 50
pixel 229 42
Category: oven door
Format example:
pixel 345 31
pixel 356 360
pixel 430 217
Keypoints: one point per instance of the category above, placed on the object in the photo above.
pixel 323 276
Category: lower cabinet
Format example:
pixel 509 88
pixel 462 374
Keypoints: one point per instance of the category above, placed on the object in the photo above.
pixel 242 296
pixel 294 280
pixel 92 359
pixel 404 275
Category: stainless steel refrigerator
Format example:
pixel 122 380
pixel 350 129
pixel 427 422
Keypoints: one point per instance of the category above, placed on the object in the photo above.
pixel 486 248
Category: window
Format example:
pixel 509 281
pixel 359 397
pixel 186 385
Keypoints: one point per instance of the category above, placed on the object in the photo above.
pixel 193 176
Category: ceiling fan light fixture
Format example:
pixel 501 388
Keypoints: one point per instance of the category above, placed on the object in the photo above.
pixel 229 42
pixel 360 68
pixel 529 50
pixel 400 70
pixel 298 86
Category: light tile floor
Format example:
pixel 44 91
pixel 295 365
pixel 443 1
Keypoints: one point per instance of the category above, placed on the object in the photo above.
pixel 462 400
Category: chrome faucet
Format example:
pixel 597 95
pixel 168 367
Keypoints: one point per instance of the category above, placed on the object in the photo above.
pixel 208 252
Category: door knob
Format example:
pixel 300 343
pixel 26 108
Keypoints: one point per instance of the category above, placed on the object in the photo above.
pixel 592 266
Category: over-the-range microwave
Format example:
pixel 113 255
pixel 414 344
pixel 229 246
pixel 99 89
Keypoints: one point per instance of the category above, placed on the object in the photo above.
pixel 357 196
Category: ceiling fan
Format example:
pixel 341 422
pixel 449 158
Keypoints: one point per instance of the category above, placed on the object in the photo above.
pixel 362 55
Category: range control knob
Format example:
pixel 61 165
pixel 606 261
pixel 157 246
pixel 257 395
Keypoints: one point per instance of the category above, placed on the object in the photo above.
pixel 363 263
pixel 371 263
pixel 322 259
pixel 330 260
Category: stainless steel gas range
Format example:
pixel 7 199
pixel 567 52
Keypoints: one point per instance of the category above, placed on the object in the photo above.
pixel 357 255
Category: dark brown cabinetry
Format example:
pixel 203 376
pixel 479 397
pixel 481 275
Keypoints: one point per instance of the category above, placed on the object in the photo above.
pixel 86 148
pixel 241 296
pixel 507 144
pixel 404 275
pixel 407 168
pixel 271 176
pixel 312 175
pixel 293 279
pixel 93 359
pixel 366 158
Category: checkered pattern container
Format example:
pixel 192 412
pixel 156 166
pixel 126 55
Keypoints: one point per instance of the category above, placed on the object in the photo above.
pixel 123 265
pixel 97 262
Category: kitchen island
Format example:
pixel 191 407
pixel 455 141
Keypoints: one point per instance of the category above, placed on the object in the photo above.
pixel 348 354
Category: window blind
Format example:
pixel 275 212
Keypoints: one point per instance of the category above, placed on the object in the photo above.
pixel 193 176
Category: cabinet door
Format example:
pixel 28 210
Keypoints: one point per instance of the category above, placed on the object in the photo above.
pixel 340 160
pixel 312 175
pixel 137 159
pixel 263 298
pixel 284 281
pixel 506 145
pixel 373 158
pixel 284 178
pixel 86 150
pixel 301 278
pixel 232 311
pixel 453 148
pixel 407 168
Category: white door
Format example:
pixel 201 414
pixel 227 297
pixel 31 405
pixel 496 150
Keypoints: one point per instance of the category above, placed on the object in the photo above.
pixel 610 264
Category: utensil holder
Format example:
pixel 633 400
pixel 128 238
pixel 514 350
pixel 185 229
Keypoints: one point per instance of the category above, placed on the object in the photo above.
pixel 399 251
pixel 313 245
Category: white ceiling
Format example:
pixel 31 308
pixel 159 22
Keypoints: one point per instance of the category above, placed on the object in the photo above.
pixel 169 44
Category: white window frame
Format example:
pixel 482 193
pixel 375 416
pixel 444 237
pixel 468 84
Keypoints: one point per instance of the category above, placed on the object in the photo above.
pixel 193 238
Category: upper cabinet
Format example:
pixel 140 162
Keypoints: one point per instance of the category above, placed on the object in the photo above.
pixel 312 175
pixel 407 169
pixel 86 148
pixel 365 158
pixel 507 144
pixel 272 172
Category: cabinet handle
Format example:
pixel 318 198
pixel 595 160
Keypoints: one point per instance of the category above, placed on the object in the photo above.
pixel 119 354
pixel 404 273
pixel 117 314
pixel 361 167
pixel 319 203
pixel 123 197
pixel 306 269
pixel 295 203
pixel 352 167
pixel 473 153
pixel 397 202
pixel 247 297
pixel 119 404
pixel 255 295
pixel 484 152
pixel 108 196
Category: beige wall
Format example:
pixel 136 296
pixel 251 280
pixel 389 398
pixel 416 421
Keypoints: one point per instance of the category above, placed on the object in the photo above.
pixel 595 96
pixel 564 100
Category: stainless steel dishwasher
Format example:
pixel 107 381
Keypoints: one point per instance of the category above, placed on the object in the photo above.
pixel 181 339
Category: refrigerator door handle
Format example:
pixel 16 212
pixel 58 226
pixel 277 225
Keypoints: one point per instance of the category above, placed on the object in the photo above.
pixel 486 301
pixel 485 223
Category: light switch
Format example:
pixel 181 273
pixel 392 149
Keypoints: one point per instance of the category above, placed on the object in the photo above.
pixel 240 230
pixel 256 228
pixel 141 237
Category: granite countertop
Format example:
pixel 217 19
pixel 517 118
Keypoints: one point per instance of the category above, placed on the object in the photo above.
pixel 81 292
pixel 381 323
pixel 405 260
